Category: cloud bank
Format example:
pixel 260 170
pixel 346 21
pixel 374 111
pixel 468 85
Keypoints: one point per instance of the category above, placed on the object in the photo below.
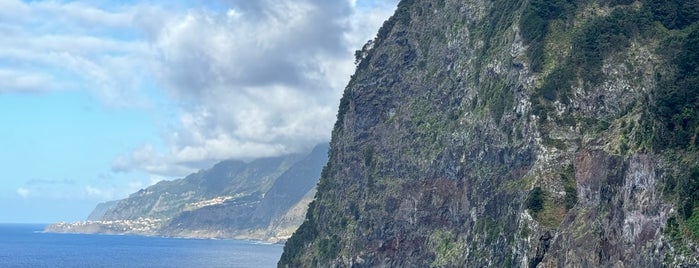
pixel 248 79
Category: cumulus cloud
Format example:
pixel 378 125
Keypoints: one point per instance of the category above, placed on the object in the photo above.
pixel 249 78
pixel 50 46
pixel 261 79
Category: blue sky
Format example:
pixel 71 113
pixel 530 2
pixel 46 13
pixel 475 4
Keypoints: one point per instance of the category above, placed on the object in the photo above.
pixel 99 99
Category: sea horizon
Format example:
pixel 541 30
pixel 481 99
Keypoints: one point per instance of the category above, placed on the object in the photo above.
pixel 28 245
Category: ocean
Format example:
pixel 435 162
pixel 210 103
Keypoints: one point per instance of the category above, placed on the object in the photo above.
pixel 25 245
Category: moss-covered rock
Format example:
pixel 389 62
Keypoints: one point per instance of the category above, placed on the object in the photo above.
pixel 513 133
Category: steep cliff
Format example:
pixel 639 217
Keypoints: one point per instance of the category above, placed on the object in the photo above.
pixel 100 210
pixel 233 199
pixel 515 134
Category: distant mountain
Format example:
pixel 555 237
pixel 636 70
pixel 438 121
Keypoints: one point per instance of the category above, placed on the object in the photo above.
pixel 101 209
pixel 255 215
pixel 227 180
pixel 233 199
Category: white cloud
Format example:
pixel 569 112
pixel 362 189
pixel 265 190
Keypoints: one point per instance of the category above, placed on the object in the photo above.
pixel 262 80
pixel 13 9
pixel 252 79
pixel 24 81
pixel 58 46
pixel 23 192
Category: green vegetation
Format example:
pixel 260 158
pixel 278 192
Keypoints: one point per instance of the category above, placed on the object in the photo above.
pixel 550 210
pixel 672 229
pixel 683 187
pixel 497 20
pixel 689 192
pixel 553 213
pixel 402 15
pixel 679 232
pixel 569 186
pixel 677 101
pixel 495 90
pixel 534 26
pixel 368 156
pixel 329 247
pixel 676 107
pixel 302 236
pixel 557 84
pixel 571 196
pixel 692 224
pixel 497 97
pixel 592 43
pixel 604 36
pixel 446 247
pixel 673 14
pixel 535 200
pixel 344 106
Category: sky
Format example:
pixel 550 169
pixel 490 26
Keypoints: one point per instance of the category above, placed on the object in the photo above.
pixel 99 99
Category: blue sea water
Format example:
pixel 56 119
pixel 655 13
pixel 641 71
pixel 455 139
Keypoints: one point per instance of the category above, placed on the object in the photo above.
pixel 24 245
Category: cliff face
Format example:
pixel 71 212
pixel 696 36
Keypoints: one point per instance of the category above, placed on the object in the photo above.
pixel 257 200
pixel 515 133
pixel 100 210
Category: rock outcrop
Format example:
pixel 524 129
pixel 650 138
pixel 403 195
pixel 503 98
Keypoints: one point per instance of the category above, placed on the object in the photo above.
pixel 515 134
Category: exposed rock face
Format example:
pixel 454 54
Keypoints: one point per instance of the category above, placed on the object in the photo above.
pixel 622 198
pixel 257 200
pixel 506 133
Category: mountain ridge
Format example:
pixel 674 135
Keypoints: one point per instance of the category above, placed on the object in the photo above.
pixel 219 202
